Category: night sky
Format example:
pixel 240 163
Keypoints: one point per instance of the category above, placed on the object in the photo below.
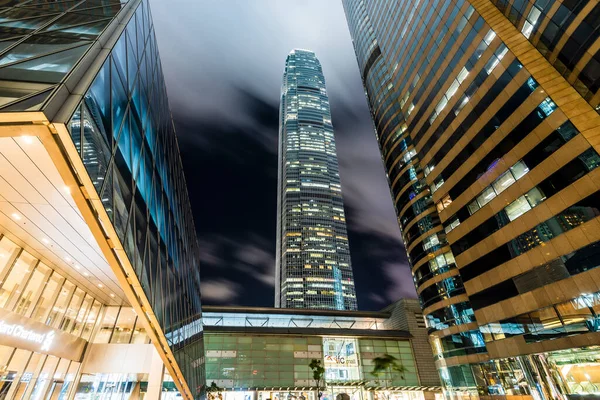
pixel 223 62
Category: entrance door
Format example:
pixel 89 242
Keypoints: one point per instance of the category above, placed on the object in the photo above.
pixel 5 384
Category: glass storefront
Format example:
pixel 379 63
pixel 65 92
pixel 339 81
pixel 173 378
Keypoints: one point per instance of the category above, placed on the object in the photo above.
pixel 329 393
pixel 570 374
pixel 345 393
pixel 272 395
pixel 123 387
pixel 398 395
pixel 28 375
pixel 460 395
pixel 578 370
pixel 111 386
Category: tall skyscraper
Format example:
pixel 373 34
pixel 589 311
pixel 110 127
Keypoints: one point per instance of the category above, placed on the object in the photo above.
pixel 99 275
pixel 486 119
pixel 313 268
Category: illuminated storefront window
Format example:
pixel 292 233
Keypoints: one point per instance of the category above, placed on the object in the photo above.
pixel 579 370
pixel 398 395
pixel 344 393
pixel 341 359
pixel 273 395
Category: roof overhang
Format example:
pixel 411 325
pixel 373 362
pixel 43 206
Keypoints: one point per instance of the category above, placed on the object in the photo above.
pixel 295 311
pixel 362 333
pixel 54 196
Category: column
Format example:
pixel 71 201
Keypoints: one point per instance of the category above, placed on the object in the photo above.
pixel 155 378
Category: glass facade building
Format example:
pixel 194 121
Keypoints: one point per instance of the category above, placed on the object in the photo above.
pixel 566 34
pixel 486 118
pixel 98 243
pixel 259 354
pixel 313 268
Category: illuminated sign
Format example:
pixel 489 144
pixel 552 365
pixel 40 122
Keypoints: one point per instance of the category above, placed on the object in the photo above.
pixel 19 331
pixel 24 333
pixel 335 360
pixel 340 352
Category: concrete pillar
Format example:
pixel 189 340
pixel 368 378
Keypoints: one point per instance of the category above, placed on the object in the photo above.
pixel 155 378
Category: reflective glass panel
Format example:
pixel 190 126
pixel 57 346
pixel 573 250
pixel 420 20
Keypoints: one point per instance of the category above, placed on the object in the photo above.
pixel 517 208
pixel 503 182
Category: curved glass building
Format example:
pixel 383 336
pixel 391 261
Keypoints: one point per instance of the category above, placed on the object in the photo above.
pixel 486 121
pixel 313 268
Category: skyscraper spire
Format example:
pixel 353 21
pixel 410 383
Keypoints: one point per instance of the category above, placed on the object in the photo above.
pixel 313 268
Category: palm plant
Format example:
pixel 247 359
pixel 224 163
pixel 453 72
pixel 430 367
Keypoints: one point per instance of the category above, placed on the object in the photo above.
pixel 318 373
pixel 387 363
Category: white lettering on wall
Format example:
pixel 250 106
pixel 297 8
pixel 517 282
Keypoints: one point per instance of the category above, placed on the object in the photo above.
pixel 19 331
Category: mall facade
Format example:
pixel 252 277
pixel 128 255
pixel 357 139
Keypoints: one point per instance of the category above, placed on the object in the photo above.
pixel 264 353
pixel 99 276
pixel 486 118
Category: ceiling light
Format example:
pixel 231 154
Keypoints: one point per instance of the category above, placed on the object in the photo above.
pixel 16 216
pixel 112 295
pixel 45 240
pixel 67 189
pixel 100 285
pixel 68 259
pixel 86 274
pixel 77 266
pixel 27 139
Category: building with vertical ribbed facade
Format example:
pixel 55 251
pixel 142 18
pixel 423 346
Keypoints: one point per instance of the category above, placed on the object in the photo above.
pixel 313 268
pixel 485 113
pixel 99 274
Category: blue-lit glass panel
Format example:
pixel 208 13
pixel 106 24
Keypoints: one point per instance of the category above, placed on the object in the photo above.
pixel 139 178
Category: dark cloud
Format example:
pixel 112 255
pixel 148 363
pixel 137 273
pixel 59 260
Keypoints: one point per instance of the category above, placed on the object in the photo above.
pixel 237 267
pixel 377 298
pixel 223 62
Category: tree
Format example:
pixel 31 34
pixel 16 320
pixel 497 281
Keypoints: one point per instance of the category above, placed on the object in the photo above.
pixel 213 391
pixel 318 373
pixel 387 363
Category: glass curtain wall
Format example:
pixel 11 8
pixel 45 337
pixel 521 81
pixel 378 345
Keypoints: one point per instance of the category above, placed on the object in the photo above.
pixel 126 139
pixel 41 42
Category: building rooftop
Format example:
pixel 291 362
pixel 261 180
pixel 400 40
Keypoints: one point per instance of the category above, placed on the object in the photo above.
pixel 295 311
pixel 298 321
pixel 303 50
